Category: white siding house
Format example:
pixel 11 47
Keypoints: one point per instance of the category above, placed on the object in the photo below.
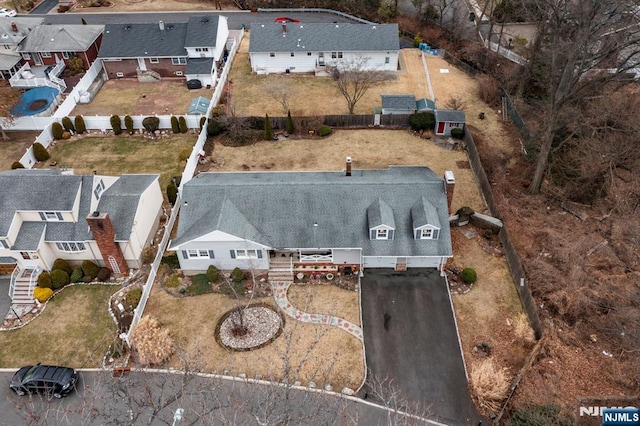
pixel 394 218
pixel 310 47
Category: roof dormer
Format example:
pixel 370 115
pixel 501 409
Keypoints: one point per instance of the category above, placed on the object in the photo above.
pixel 382 224
pixel 425 220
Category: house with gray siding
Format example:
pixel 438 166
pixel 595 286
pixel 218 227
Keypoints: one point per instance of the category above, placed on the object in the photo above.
pixel 395 218
pixel 189 50
pixel 447 120
pixel 47 215
pixel 311 47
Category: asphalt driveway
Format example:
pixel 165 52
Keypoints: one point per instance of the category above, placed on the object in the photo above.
pixel 410 337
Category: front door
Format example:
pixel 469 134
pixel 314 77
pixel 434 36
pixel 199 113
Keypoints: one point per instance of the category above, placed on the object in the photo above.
pixel 440 128
pixel 141 64
pixel 321 59
pixel 37 59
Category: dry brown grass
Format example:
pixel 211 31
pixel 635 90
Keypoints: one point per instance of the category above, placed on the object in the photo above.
pixel 327 300
pixel 13 149
pixel 155 5
pixel 370 149
pixel 310 95
pixel 325 355
pixel 490 383
pixel 129 96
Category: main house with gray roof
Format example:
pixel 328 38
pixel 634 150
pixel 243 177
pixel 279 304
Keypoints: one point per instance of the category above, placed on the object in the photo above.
pixel 310 47
pixel 395 218
pixel 191 50
pixel 46 215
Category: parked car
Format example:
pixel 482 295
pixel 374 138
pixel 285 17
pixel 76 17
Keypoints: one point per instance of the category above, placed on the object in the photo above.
pixel 45 379
pixel 284 19
pixel 7 13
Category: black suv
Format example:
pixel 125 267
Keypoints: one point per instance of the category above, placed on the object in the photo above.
pixel 45 379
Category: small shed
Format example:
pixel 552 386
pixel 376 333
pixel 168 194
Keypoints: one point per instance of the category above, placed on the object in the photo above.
pixel 199 106
pixel 398 104
pixel 425 105
pixel 447 119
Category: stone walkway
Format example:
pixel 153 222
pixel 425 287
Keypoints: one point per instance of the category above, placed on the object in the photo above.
pixel 280 288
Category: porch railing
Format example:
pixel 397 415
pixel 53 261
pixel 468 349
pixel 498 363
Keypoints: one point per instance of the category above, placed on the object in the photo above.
pixel 14 277
pixel 316 258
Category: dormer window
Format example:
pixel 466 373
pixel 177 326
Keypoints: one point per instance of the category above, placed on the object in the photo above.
pixel 382 234
pixel 99 189
pixel 51 216
pixel 429 234
pixel 381 220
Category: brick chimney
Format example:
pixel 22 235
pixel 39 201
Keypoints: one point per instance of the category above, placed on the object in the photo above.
pixel 105 236
pixel 284 28
pixel 348 167
pixel 449 185
pixel 161 25
pixel 14 27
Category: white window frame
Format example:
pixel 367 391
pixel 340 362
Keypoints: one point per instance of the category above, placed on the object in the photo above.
pixel 382 234
pixel 246 254
pixel 26 56
pixel 308 53
pixel 179 61
pixel 202 49
pixel 198 254
pixel 46 54
pixel 6 46
pixel 272 54
pixel 51 217
pixel 154 60
pixel 426 234
pixel 99 189
pixel 334 55
pixel 119 74
pixel 65 55
pixel 339 55
pixel 71 247
pixel 387 60
pixel 179 73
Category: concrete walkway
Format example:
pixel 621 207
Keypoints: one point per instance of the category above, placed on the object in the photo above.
pixel 280 288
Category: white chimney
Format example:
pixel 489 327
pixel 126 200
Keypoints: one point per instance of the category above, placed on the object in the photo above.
pixel 161 24
pixel 348 168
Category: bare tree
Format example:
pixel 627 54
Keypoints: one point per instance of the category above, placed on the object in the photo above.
pixel 353 79
pixel 280 91
pixel 587 46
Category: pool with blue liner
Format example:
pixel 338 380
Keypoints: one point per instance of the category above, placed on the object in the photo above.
pixel 34 101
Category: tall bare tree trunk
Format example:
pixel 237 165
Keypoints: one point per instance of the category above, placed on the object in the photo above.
pixel 543 155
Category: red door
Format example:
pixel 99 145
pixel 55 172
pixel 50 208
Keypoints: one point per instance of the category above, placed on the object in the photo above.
pixel 440 128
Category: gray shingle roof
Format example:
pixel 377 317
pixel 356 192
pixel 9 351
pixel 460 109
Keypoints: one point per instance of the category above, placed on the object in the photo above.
pixel 423 212
pixel 202 31
pixel 59 38
pixel 380 213
pixel 29 237
pixel 450 116
pixel 143 40
pixel 45 190
pixel 425 104
pixel 199 66
pixel 279 209
pixel 407 102
pixel 323 37
pixel 24 25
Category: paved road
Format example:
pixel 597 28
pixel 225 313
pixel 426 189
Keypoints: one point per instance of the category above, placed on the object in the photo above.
pixel 410 337
pixel 103 399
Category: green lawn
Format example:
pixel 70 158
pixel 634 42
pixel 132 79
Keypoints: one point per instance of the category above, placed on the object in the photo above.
pixel 74 330
pixel 117 155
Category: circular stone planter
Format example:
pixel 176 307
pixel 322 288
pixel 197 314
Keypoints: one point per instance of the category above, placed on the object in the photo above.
pixel 329 276
pixel 264 324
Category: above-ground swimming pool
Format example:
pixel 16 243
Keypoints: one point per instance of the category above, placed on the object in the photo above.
pixel 35 101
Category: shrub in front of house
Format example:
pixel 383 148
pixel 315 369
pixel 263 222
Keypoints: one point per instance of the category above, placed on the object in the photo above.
pixel 56 130
pixel 182 124
pixel 16 165
pixel 200 284
pixel 66 135
pixel 44 280
pixel 469 275
pixel 103 274
pixel 77 275
pixel 457 133
pixel 116 124
pixel 90 270
pixel 172 193
pixel 40 152
pixel 171 260
pixel 80 126
pixel 237 275
pixel 151 124
pixel 68 125
pixel 325 131
pixel 422 121
pixel 42 294
pixel 213 274
pixel 175 127
pixel 59 279
pixel 148 254
pixel 128 124
pixel 132 299
pixel 214 128
pixel 62 264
